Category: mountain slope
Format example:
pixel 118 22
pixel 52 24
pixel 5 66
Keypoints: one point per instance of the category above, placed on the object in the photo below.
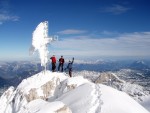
pixel 48 92
pixel 118 102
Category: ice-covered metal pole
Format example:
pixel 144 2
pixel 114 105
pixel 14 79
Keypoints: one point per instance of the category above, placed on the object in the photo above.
pixel 40 41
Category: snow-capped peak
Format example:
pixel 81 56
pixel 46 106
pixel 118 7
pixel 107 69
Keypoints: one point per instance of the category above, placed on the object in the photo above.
pixel 48 92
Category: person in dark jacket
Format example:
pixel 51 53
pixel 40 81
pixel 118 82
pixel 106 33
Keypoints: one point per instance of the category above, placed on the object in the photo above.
pixel 53 58
pixel 61 64
pixel 69 67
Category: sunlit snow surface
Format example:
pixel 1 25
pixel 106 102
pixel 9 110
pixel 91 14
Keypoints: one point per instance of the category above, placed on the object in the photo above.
pixel 74 95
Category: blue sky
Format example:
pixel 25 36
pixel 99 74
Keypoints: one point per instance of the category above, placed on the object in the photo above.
pixel 85 27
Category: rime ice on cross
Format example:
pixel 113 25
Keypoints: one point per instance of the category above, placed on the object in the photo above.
pixel 40 41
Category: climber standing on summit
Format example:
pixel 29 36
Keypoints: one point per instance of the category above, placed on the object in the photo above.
pixel 69 67
pixel 53 58
pixel 61 64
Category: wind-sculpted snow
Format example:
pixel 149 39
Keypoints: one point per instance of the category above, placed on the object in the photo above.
pixel 48 92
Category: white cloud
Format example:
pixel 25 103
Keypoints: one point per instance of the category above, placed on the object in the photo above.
pixel 128 44
pixel 115 9
pixel 105 32
pixel 4 17
pixel 5 13
pixel 71 31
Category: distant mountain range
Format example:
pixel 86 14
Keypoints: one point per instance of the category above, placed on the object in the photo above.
pixel 139 65
pixel 12 73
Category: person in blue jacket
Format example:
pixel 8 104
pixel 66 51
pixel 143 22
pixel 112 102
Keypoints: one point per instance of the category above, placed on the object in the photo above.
pixel 69 67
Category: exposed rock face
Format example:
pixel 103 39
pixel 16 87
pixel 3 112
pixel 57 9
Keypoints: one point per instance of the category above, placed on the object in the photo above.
pixel 72 86
pixel 32 95
pixel 46 89
pixel 107 78
pixel 64 109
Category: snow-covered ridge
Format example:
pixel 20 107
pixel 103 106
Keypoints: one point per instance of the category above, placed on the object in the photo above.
pixel 114 80
pixel 48 92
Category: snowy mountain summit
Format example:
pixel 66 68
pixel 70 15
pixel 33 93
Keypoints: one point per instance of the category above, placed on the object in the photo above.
pixel 48 92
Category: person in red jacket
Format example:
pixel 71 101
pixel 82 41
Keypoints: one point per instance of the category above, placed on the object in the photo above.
pixel 61 64
pixel 53 58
